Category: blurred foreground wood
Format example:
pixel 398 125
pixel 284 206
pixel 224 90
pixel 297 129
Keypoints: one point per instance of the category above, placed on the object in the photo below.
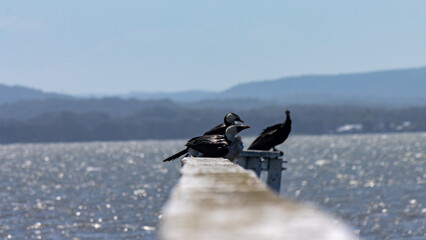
pixel 219 200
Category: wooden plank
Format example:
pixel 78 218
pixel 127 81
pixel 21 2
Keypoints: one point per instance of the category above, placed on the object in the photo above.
pixel 242 161
pixel 255 164
pixel 257 153
pixel 216 199
pixel 265 164
pixel 275 168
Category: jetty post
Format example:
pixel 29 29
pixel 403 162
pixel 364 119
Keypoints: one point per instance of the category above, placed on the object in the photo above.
pixel 217 199
pixel 271 163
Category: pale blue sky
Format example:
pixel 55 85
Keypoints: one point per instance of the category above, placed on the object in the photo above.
pixel 99 46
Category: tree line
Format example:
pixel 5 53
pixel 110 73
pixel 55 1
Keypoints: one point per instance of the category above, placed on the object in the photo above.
pixel 173 122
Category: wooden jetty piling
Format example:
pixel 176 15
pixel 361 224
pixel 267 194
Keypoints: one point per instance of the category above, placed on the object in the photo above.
pixel 216 199
pixel 269 162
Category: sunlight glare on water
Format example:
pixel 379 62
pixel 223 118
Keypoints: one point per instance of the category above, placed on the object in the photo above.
pixel 115 190
pixel 375 183
pixel 84 190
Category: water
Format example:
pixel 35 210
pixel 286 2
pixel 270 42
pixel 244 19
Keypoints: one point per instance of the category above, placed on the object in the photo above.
pixel 375 183
pixel 115 190
pixel 102 190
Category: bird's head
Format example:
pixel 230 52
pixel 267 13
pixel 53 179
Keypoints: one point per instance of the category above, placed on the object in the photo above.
pixel 231 118
pixel 233 130
pixel 287 112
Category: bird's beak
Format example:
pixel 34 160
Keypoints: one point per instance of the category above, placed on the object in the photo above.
pixel 240 128
pixel 239 120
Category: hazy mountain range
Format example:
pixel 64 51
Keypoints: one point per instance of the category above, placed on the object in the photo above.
pixel 319 105
pixel 381 88
pixel 10 94
pixel 393 88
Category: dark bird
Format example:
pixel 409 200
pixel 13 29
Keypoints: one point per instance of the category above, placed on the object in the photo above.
pixel 273 135
pixel 228 120
pixel 228 145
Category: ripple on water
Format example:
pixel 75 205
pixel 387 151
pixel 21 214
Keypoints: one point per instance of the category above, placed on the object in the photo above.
pixel 374 182
pixel 84 190
pixel 115 190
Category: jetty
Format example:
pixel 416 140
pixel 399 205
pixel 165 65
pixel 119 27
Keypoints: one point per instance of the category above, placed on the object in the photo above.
pixel 216 199
pixel 264 163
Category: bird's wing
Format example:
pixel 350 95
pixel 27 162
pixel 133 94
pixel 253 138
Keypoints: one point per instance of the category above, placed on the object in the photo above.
pixel 219 129
pixel 210 146
pixel 271 128
pixel 263 141
pixel 283 133
pixel 190 141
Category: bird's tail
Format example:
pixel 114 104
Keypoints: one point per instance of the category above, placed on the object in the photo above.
pixel 174 156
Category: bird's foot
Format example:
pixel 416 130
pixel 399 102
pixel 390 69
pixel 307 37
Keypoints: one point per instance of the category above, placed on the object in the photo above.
pixel 275 150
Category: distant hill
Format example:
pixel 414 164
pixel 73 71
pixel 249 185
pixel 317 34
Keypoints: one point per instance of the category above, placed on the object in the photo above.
pixel 185 96
pixel 116 107
pixel 397 87
pixel 318 104
pixel 394 88
pixel 10 94
pixel 382 88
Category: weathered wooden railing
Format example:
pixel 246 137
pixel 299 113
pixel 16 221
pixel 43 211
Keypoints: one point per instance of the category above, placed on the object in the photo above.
pixel 271 163
pixel 219 200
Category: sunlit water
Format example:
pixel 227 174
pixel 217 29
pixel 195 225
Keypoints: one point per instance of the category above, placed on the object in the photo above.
pixel 376 183
pixel 115 190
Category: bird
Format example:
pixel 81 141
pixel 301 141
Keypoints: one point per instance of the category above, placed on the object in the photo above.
pixel 227 146
pixel 228 120
pixel 273 135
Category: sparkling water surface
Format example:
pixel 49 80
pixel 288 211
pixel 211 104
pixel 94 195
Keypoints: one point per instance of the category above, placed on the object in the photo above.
pixel 101 190
pixel 375 183
pixel 115 190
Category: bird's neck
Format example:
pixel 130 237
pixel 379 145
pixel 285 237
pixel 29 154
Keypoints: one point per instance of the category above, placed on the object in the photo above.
pixel 230 137
pixel 287 120
pixel 228 123
pixel 237 144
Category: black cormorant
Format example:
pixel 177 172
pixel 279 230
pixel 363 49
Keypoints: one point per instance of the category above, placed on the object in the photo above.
pixel 228 145
pixel 228 120
pixel 273 135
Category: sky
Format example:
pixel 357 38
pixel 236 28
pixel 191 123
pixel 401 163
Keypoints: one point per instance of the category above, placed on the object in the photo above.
pixel 112 47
